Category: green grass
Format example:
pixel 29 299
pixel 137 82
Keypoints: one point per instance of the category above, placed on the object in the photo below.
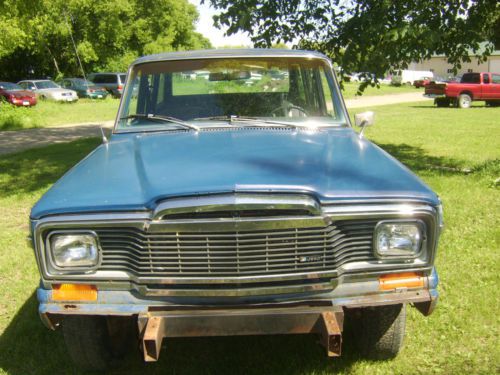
pixel 461 337
pixel 49 113
pixel 350 90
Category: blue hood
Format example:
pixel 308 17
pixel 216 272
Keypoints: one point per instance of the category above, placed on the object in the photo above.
pixel 134 171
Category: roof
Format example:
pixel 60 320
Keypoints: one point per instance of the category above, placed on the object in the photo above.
pixel 223 53
pixel 35 80
pixel 480 51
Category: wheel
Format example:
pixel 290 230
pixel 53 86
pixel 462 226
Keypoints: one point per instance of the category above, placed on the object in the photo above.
pixel 97 343
pixel 287 110
pixel 464 101
pixel 442 102
pixel 379 331
pixel 493 103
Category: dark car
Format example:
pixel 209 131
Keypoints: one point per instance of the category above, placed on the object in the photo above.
pixel 220 208
pixel 84 88
pixel 16 95
pixel 112 82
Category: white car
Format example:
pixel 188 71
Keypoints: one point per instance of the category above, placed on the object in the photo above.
pixel 47 89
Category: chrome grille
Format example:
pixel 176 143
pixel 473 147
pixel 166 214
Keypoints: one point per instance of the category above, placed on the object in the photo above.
pixel 237 253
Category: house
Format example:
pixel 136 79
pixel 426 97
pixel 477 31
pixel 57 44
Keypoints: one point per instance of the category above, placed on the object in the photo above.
pixel 439 65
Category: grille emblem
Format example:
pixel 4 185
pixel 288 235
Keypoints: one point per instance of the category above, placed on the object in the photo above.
pixel 312 258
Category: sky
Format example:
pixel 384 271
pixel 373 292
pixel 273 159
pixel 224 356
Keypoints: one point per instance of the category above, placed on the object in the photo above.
pixel 205 26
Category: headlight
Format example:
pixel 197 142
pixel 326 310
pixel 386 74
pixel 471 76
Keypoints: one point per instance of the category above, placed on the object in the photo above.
pixel 74 249
pixel 398 239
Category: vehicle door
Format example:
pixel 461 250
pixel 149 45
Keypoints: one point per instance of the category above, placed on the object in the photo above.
pixel 486 86
pixel 471 82
pixel 495 86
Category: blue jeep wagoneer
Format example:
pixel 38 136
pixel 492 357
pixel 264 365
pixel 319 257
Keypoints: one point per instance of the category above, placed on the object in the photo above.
pixel 234 198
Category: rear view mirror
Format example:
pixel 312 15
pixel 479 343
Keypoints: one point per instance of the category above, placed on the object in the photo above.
pixel 232 76
pixel 363 120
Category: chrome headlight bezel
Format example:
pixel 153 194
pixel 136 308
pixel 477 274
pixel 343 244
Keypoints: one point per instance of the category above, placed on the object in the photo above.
pixel 419 224
pixel 79 268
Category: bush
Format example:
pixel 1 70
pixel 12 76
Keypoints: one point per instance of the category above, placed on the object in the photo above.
pixel 396 81
pixel 12 117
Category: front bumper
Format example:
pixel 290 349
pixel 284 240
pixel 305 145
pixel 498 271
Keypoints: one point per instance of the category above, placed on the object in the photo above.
pixel 351 294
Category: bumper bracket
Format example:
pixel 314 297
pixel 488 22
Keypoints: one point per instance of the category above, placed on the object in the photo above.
pixel 325 321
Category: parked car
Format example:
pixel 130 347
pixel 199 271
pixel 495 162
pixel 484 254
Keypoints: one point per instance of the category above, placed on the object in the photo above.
pixel 16 95
pixel 84 88
pixel 410 76
pixel 418 83
pixel 112 82
pixel 231 210
pixel 472 87
pixel 47 89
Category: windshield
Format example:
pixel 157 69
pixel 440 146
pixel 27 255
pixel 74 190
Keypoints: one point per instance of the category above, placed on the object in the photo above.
pixel 46 85
pixel 10 86
pixel 286 89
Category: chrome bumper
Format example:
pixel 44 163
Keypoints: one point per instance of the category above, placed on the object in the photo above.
pixel 354 294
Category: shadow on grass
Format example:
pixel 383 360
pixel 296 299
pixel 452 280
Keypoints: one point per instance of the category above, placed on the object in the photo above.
pixel 418 160
pixel 27 347
pixel 37 169
pixel 474 106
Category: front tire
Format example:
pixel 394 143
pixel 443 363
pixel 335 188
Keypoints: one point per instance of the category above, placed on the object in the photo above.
pixel 97 343
pixel 379 331
pixel 464 101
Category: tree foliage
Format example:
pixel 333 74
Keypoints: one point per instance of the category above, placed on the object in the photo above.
pixel 367 35
pixel 36 35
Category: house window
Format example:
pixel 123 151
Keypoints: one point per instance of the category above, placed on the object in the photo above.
pixel 470 70
pixel 449 71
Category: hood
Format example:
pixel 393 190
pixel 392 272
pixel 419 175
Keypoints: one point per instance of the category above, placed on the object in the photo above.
pixel 135 171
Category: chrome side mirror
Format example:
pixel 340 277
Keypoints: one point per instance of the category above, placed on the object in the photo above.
pixel 363 120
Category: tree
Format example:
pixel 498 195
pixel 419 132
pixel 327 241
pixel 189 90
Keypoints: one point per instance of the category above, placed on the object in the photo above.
pixel 367 35
pixel 108 34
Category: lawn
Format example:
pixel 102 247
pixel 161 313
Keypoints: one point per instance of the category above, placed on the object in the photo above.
pixel 461 337
pixel 350 90
pixel 49 113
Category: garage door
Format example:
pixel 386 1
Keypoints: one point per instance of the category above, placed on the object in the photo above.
pixel 495 66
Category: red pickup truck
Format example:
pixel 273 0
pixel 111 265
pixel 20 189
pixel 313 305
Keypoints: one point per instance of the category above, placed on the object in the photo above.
pixel 472 86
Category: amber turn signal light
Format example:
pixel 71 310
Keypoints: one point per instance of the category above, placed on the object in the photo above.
pixel 74 292
pixel 401 280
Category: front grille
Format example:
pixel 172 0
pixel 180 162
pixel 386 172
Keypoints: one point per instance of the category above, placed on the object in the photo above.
pixel 233 254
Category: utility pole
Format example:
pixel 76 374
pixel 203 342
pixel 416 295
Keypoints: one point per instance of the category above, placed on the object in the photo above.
pixel 76 51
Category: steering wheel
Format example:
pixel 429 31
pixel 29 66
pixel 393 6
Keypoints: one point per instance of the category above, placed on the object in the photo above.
pixel 287 108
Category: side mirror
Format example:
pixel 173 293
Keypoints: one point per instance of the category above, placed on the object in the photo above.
pixel 363 120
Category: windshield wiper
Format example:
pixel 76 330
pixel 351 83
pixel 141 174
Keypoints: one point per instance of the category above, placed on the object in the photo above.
pixel 252 121
pixel 162 118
